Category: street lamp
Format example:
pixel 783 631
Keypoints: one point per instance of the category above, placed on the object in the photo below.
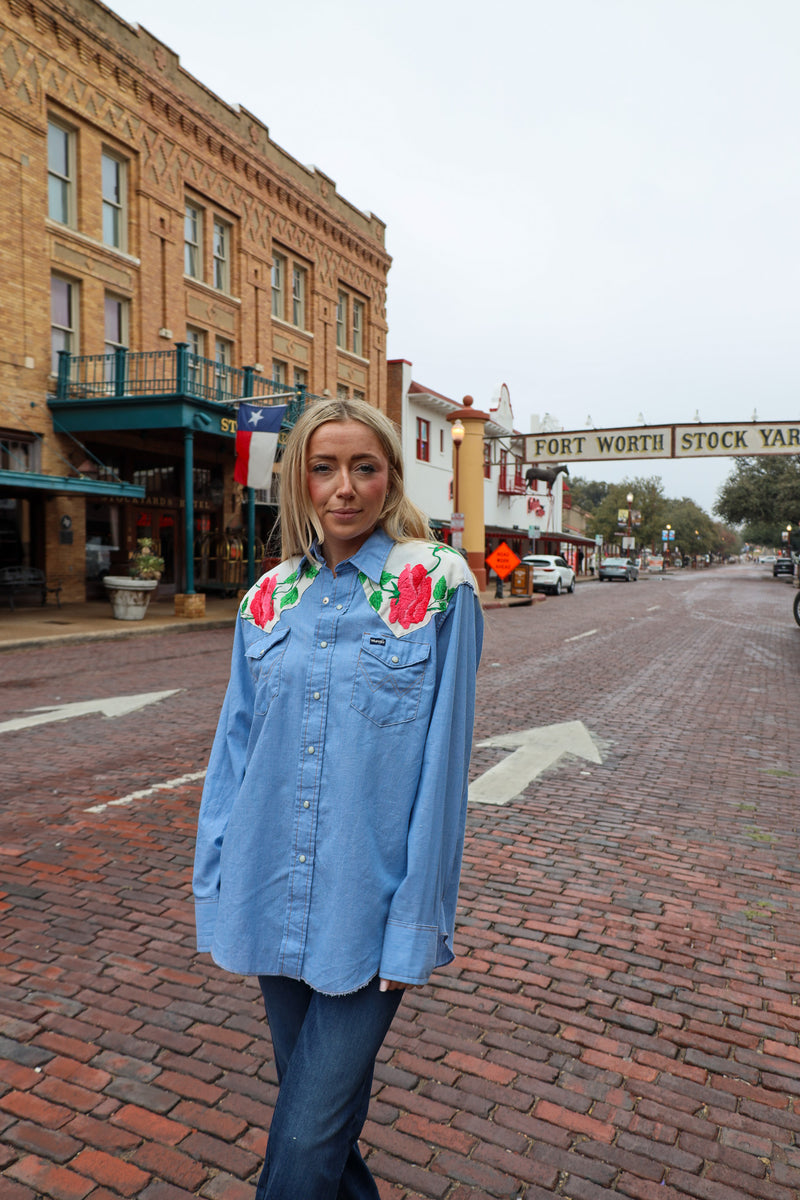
pixel 630 514
pixel 457 434
pixel 666 549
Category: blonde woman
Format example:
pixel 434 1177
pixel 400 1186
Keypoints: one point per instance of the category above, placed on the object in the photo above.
pixel 332 823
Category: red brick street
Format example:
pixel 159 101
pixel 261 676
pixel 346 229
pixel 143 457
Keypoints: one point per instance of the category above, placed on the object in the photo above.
pixel 623 1016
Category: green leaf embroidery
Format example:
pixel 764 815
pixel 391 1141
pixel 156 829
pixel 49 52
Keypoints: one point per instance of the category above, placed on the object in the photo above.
pixel 375 600
pixel 440 589
pixel 387 577
pixel 289 599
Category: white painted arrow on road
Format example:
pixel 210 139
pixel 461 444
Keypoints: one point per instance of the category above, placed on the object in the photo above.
pixel 534 751
pixel 113 706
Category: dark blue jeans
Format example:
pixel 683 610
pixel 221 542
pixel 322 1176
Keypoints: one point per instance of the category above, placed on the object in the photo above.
pixel 325 1049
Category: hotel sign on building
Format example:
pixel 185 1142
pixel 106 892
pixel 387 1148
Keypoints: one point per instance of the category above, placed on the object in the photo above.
pixel 665 441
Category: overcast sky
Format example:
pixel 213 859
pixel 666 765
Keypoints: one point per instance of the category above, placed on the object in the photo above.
pixel 595 202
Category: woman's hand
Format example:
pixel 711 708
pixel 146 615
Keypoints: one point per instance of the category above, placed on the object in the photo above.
pixel 391 985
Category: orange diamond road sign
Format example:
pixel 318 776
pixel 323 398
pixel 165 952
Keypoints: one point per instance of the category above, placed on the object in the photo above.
pixel 503 560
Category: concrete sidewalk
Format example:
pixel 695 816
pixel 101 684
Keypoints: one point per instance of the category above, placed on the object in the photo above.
pixel 93 621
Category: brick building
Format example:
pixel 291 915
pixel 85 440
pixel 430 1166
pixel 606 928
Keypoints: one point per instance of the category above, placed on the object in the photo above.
pixel 162 257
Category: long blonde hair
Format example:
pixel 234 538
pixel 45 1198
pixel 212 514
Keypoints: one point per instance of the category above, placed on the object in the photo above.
pixel 399 517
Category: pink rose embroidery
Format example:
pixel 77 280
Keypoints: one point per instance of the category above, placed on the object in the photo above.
pixel 411 605
pixel 262 607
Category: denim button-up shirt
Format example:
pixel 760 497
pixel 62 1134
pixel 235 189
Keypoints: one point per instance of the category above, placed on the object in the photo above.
pixel 332 822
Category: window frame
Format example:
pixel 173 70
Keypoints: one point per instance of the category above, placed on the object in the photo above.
pixel 299 275
pixel 221 263
pixel 357 326
pixel 193 247
pixel 117 207
pixel 423 440
pixel 72 330
pixel 341 320
pixel 124 322
pixel 69 181
pixel 278 284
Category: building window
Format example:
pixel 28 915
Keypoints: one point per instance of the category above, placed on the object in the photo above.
pixel 222 251
pixel 341 321
pixel 358 327
pixel 423 440
pixel 300 377
pixel 63 318
pixel 289 289
pixel 60 174
pixel 342 391
pixel 503 482
pixel 223 357
pixel 487 460
pixel 196 341
pixel 18 452
pixel 116 323
pixel 298 297
pixel 278 278
pixel 193 241
pixel 113 175
pixel 358 395
pixel 278 372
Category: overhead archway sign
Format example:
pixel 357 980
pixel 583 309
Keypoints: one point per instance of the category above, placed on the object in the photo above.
pixel 664 441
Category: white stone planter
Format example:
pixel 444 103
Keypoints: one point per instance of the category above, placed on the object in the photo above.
pixel 129 597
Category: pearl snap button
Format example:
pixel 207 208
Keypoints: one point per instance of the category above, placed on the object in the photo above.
pixel 302 858
pixel 316 695
pixel 395 658
pixel 310 749
pixel 325 600
pixel 323 644
pixel 306 804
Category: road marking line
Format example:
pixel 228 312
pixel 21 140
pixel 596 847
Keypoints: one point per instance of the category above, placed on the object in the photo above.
pixel 534 750
pixel 578 636
pixel 113 706
pixel 145 792
pixel 652 608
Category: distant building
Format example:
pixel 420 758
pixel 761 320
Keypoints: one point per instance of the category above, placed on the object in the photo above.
pixel 514 512
pixel 179 259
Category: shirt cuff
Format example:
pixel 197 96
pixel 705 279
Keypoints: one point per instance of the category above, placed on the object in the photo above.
pixel 205 919
pixel 409 952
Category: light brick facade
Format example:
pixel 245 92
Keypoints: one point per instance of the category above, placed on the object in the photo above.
pixel 286 275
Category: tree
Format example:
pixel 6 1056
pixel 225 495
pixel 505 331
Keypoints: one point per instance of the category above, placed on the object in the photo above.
pixel 648 500
pixel 762 495
pixel 587 494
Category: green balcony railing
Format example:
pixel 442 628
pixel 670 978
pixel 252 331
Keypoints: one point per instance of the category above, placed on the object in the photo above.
pixel 124 374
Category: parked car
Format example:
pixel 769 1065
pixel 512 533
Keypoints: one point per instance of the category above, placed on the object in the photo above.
pixel 551 573
pixel 767 558
pixel 619 568
pixel 783 566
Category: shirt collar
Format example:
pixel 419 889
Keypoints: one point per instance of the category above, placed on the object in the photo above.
pixel 369 558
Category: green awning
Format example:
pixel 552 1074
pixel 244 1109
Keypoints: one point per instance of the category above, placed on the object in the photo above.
pixel 25 480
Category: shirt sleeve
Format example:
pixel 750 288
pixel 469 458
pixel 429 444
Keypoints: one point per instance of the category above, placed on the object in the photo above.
pixel 419 929
pixel 224 777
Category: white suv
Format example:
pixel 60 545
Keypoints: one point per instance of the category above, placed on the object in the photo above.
pixel 551 573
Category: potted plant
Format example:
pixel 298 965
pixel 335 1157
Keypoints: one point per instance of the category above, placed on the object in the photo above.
pixel 130 594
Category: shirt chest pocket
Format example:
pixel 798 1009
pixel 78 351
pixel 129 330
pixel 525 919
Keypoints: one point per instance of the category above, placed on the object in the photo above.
pixel 265 659
pixel 389 679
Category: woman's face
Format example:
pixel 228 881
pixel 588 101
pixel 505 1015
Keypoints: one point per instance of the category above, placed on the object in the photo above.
pixel 347 473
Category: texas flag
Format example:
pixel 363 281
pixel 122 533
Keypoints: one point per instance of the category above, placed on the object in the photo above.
pixel 257 430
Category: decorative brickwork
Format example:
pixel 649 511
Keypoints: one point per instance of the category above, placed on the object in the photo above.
pixel 118 93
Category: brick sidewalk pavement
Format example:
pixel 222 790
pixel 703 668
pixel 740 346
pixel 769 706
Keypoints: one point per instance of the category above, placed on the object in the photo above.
pixel 623 1018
